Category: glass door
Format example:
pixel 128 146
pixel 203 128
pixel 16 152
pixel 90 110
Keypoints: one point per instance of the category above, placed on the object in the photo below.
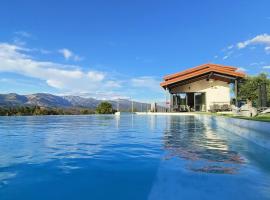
pixel 199 101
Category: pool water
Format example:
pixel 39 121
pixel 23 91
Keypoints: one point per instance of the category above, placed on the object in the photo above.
pixel 128 157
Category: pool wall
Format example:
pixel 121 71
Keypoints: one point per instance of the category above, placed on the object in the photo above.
pixel 255 131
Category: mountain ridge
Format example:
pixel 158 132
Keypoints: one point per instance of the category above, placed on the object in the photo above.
pixel 54 101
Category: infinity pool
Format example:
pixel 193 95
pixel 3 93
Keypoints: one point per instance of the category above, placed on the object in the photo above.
pixel 128 157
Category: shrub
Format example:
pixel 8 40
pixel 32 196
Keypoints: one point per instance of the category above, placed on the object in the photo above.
pixel 104 108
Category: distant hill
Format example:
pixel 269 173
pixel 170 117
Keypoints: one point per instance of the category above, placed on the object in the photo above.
pixel 77 101
pixel 47 100
pixel 53 101
pixel 12 99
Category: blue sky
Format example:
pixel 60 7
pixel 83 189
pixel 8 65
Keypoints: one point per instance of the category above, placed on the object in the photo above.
pixel 110 49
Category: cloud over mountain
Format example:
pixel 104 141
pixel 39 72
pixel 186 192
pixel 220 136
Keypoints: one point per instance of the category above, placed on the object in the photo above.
pixel 16 59
pixel 72 79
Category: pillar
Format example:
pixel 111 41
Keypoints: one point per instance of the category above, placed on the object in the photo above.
pixel 236 91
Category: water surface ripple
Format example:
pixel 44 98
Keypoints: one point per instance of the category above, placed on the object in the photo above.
pixel 128 157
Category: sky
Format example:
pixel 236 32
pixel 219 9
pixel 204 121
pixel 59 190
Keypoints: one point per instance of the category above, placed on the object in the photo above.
pixel 110 49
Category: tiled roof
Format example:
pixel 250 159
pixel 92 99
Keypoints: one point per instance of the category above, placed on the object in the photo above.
pixel 202 70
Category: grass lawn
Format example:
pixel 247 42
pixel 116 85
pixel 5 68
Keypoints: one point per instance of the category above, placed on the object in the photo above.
pixel 263 118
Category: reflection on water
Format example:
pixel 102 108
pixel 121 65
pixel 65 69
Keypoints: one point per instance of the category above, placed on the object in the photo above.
pixel 193 140
pixel 4 178
pixel 39 140
pixel 128 157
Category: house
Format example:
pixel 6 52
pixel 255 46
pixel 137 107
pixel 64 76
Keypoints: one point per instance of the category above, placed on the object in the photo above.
pixel 203 87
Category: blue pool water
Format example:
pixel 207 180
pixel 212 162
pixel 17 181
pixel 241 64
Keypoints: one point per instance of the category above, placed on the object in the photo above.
pixel 128 157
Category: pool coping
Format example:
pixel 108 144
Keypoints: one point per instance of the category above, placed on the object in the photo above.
pixel 166 113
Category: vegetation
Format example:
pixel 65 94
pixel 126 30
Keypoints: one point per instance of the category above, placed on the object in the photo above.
pixel 265 117
pixel 105 108
pixel 262 117
pixel 248 89
pixel 37 110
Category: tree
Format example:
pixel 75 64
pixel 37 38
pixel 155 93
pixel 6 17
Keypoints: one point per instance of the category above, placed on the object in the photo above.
pixel 104 108
pixel 86 112
pixel 248 89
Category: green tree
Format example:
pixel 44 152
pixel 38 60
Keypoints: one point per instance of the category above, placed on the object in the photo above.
pixel 248 89
pixel 104 108
pixel 86 112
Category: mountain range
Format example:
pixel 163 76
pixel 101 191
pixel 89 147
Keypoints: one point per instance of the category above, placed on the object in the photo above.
pixel 53 101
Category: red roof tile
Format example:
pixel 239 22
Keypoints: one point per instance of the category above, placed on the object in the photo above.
pixel 201 70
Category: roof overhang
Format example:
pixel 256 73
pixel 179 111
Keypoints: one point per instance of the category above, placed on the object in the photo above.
pixel 206 71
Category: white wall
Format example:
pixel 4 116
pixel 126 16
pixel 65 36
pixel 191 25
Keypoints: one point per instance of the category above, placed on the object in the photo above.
pixel 216 91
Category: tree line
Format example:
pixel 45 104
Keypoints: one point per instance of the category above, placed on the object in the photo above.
pixel 248 88
pixel 102 108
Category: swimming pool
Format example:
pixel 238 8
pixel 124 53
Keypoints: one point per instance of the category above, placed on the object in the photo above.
pixel 128 157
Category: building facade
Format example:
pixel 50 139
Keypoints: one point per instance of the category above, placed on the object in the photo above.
pixel 202 88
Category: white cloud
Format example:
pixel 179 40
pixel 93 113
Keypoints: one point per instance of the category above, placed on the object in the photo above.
pixel 15 59
pixel 55 83
pixel 257 63
pixel 113 84
pixel 4 80
pixel 263 39
pixel 69 55
pixel 23 34
pixel 108 95
pixel 230 47
pixel 228 55
pixel 96 75
pixel 266 67
pixel 66 53
pixel 44 51
pixel 18 41
pixel 242 69
pixel 146 82
pixel 267 49
pixel 72 79
pixel 225 57
pixel 20 37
